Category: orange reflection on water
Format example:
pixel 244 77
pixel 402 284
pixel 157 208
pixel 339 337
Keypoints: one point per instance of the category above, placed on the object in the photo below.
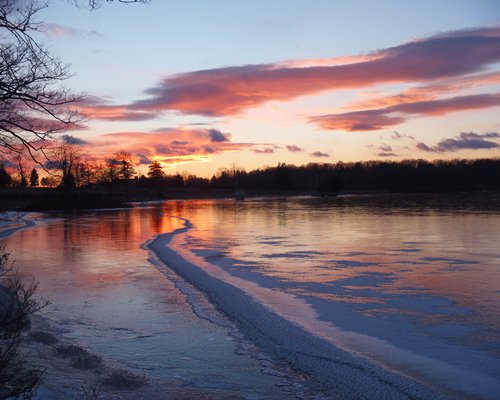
pixel 87 238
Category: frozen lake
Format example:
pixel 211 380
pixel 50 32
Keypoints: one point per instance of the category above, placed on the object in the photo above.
pixel 408 284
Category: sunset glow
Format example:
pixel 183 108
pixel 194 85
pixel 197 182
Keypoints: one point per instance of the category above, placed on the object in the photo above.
pixel 288 94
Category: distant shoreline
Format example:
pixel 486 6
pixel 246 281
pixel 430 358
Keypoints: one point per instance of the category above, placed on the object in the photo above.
pixel 53 199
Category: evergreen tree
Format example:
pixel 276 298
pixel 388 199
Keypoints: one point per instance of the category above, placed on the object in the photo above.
pixel 155 171
pixel 34 178
pixel 123 162
pixel 126 169
pixel 5 178
pixel 68 181
pixel 24 181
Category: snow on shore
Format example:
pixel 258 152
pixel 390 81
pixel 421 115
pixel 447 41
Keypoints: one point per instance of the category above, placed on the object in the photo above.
pixel 13 221
pixel 255 310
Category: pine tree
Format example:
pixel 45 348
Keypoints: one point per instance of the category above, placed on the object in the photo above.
pixel 124 165
pixel 34 178
pixel 155 171
pixel 5 178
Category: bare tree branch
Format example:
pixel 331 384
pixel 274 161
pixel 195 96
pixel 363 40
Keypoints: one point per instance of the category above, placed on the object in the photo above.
pixel 18 300
pixel 95 4
pixel 33 104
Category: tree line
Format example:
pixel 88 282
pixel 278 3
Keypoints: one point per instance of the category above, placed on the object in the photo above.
pixel 71 168
pixel 406 175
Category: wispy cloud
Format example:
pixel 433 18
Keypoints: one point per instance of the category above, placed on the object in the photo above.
pixel 383 150
pixel 319 154
pixel 231 90
pixel 432 91
pixel 115 113
pixel 266 150
pixel 464 141
pixel 61 31
pixel 294 148
pixel 375 119
pixel 400 136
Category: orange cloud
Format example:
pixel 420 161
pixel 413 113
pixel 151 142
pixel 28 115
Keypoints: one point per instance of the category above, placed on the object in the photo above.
pixel 115 113
pixel 170 146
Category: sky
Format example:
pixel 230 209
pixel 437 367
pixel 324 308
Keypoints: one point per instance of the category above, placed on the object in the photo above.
pixel 201 85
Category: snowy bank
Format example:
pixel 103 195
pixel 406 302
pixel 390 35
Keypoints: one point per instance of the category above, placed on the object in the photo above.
pixel 13 221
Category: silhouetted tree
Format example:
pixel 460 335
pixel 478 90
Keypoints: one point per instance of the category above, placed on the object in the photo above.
pixel 85 171
pixel 110 172
pixel 282 177
pixel 155 171
pixel 34 178
pixel 63 159
pixel 17 302
pixel 176 181
pixel 194 181
pixel 49 181
pixel 95 4
pixel 32 104
pixel 406 175
pixel 124 165
pixel 68 181
pixel 5 178
pixel 18 160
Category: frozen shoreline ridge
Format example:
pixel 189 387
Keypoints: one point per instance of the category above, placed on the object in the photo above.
pixel 338 372
pixel 14 221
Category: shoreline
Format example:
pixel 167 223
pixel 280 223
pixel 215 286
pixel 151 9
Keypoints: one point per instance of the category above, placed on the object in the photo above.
pixel 15 222
pixel 57 200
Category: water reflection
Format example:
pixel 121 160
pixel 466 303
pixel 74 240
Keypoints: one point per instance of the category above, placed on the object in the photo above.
pixel 107 297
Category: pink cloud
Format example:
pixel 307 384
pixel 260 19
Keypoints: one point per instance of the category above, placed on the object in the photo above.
pixel 231 90
pixel 368 120
pixel 61 31
pixel 57 31
pixel 115 113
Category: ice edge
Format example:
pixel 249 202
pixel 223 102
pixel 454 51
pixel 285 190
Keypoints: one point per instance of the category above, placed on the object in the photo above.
pixel 331 369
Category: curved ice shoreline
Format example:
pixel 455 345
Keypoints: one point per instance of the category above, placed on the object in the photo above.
pixel 18 221
pixel 339 373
